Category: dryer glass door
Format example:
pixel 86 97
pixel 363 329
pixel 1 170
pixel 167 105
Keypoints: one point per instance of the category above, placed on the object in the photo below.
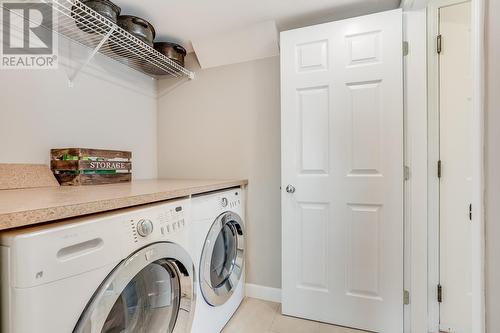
pixel 151 291
pixel 223 255
pixel 222 258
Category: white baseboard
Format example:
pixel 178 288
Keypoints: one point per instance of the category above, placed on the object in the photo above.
pixel 263 292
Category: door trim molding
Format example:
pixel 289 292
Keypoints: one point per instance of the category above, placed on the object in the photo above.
pixel 478 237
pixel 415 195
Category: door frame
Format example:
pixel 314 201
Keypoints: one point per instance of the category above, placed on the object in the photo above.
pixel 477 158
pixel 415 201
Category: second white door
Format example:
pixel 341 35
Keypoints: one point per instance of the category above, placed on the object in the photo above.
pixel 455 184
pixel 342 172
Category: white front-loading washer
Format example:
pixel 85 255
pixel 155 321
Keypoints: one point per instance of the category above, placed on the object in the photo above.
pixel 124 271
pixel 218 248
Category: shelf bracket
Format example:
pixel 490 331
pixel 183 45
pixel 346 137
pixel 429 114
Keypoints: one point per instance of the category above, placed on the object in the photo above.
pixel 89 58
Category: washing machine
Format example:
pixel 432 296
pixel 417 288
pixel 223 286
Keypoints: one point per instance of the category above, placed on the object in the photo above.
pixel 124 271
pixel 218 247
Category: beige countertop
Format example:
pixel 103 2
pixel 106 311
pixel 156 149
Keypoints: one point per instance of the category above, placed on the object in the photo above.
pixel 23 207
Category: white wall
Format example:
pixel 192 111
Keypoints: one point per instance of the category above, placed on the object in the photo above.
pixel 110 107
pixel 492 182
pixel 226 124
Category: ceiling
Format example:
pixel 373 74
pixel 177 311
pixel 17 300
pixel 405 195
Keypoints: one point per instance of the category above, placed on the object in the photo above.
pixel 183 20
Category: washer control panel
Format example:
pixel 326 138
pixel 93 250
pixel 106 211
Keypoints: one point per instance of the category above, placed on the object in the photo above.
pixel 157 222
pixel 171 220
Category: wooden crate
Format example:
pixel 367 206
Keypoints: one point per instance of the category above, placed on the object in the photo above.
pixel 82 166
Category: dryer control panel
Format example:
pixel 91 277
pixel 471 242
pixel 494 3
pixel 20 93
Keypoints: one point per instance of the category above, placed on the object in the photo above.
pixel 230 202
pixel 209 206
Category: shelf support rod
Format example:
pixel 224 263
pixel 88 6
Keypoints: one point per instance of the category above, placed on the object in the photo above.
pixel 87 61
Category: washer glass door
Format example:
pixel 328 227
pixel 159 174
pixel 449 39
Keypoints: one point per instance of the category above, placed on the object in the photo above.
pixel 150 291
pixel 149 302
pixel 222 259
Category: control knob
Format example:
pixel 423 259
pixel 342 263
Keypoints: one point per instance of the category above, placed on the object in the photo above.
pixel 144 227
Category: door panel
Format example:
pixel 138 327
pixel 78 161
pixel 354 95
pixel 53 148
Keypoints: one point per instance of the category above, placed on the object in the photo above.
pixel 363 48
pixel 312 261
pixel 363 252
pixel 313 117
pixel 312 56
pixel 365 132
pixel 342 146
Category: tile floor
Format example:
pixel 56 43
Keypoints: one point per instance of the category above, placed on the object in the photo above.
pixel 257 316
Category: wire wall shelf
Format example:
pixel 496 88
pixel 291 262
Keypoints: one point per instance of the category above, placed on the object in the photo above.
pixel 74 20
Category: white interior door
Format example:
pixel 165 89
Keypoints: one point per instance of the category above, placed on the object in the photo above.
pixel 342 151
pixel 455 120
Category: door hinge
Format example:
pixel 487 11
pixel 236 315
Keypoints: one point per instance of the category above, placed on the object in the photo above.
pixel 439 293
pixel 407 172
pixel 439 44
pixel 439 169
pixel 406 297
pixel 406 48
pixel 470 212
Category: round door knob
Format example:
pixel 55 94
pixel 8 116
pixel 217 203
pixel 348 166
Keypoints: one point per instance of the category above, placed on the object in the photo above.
pixel 290 189
pixel 144 227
